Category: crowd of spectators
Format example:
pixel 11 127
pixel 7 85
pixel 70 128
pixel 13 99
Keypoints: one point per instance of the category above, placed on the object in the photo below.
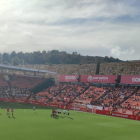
pixel 115 96
pixel 46 94
pixel 75 94
pixel 133 101
pixel 122 68
pixel 90 95
pixel 22 93
pixel 7 92
pixel 71 92
pixel 67 69
pixel 61 93
pixel 116 68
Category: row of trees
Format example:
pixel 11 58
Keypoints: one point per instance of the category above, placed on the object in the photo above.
pixel 52 57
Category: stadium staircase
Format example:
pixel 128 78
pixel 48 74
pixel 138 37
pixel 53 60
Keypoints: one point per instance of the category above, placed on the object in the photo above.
pixel 78 95
pixel 28 97
pixel 11 77
pixel 57 94
pixel 30 80
pixel 49 90
pixel 128 97
pixel 10 89
pixel 7 78
pixel 41 86
pixel 103 95
pixel 138 113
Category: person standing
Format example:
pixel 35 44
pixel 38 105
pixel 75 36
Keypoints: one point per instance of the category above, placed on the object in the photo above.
pixel 12 110
pixel 34 108
pixel 60 111
pixel 64 112
pixel 8 111
pixel 68 113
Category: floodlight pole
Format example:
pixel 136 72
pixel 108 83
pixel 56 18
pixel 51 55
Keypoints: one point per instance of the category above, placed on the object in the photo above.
pixel 1 59
pixel 23 63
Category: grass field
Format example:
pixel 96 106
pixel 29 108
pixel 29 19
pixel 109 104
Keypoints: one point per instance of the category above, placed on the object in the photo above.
pixel 27 125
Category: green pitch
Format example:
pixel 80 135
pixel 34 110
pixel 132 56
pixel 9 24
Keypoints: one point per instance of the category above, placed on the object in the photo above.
pixel 27 125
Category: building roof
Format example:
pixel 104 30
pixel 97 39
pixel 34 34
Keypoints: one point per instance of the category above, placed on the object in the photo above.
pixel 25 69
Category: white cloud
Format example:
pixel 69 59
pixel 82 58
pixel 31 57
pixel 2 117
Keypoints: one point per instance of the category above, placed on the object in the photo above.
pixel 117 51
pixel 45 25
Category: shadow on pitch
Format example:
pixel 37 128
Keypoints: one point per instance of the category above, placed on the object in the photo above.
pixel 35 112
pixel 62 116
pixel 5 105
pixel 70 118
pixel 11 117
pixel 66 117
pixel 55 117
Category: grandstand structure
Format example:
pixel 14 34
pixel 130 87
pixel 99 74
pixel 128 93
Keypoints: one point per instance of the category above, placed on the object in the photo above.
pixel 121 68
pixel 22 82
pixel 23 70
pixel 100 94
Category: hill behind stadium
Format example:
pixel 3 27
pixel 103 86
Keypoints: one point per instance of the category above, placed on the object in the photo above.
pixel 54 57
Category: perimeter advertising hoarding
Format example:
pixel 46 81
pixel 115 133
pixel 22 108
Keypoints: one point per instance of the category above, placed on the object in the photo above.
pixel 68 78
pixel 99 78
pixel 130 79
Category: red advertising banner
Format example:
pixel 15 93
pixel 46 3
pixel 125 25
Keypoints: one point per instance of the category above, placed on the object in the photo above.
pixel 133 117
pixel 104 112
pixel 119 110
pixel 129 112
pixel 99 78
pixel 68 78
pixel 125 111
pixel 130 79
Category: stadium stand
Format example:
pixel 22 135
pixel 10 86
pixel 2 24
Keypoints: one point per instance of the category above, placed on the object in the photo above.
pixel 121 68
pixel 46 94
pixel 115 96
pixel 61 94
pixel 3 81
pixel 90 95
pixel 16 86
pixel 24 81
pixel 76 94
pixel 132 101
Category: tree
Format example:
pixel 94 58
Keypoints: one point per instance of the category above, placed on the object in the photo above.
pixel 55 57
pixel 15 61
pixel 13 54
pixel 6 57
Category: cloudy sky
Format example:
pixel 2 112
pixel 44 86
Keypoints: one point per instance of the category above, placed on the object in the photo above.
pixel 89 27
